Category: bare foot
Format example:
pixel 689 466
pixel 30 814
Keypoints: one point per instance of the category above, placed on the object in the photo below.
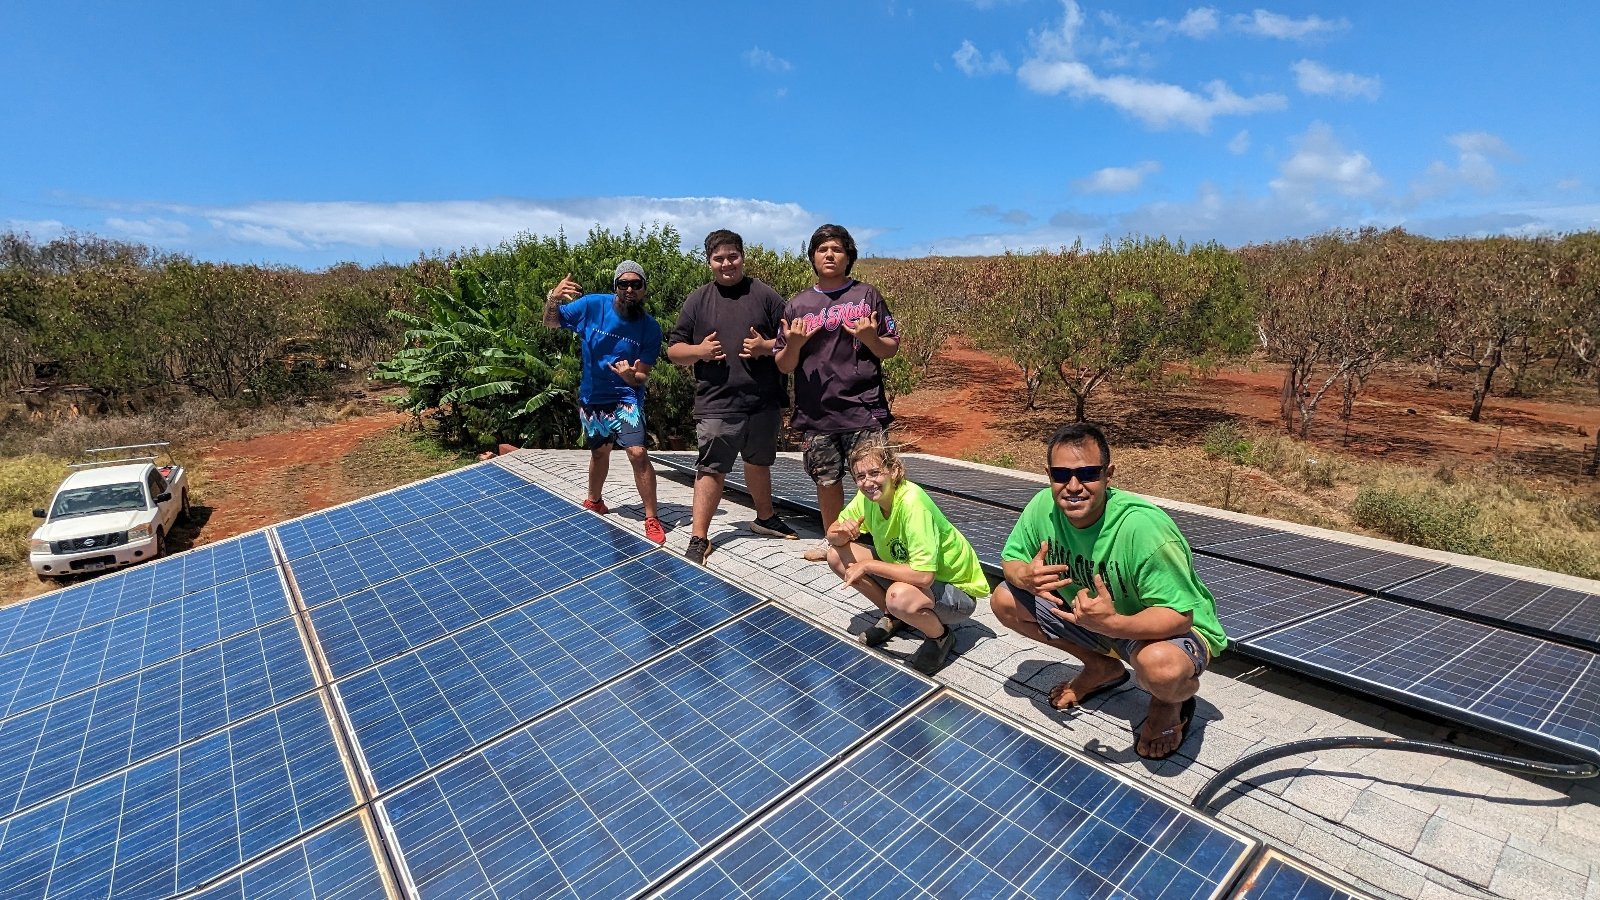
pixel 1096 678
pixel 1165 727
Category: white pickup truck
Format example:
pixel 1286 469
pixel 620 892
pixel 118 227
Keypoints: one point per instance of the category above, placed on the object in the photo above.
pixel 110 512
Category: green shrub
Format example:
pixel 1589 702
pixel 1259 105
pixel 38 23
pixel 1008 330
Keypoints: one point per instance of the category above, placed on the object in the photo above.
pixel 1225 441
pixel 1426 518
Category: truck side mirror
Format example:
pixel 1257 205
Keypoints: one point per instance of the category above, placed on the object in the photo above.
pixel 164 496
pixel 38 513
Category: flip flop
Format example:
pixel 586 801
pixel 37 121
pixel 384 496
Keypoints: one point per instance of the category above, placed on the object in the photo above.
pixel 1111 685
pixel 1185 716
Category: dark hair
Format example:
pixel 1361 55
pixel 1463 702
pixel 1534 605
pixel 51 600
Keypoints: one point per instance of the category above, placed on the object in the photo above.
pixel 1077 434
pixel 832 233
pixel 722 236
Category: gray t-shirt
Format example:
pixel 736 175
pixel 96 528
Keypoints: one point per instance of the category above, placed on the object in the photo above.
pixel 838 385
pixel 733 386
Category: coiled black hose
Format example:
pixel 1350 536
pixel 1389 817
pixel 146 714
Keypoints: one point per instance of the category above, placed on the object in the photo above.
pixel 1494 760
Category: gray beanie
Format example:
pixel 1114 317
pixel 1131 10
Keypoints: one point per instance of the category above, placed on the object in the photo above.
pixel 629 267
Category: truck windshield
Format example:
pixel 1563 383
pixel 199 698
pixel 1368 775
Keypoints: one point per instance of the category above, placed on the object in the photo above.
pixel 102 499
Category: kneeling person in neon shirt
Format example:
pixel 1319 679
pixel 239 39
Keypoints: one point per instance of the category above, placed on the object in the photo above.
pixel 924 574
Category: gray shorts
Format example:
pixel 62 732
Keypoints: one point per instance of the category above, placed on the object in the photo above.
pixel 950 603
pixel 753 437
pixel 1191 643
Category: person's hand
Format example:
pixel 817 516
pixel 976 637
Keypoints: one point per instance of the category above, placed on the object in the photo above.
pixel 1039 578
pixel 862 326
pixel 856 571
pixel 566 290
pixel 755 345
pixel 844 531
pixel 796 331
pixel 710 349
pixel 625 370
pixel 1091 611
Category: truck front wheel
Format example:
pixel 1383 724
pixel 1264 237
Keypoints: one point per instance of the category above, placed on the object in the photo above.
pixel 184 516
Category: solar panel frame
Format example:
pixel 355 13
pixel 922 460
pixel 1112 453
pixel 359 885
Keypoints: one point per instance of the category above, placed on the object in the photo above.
pixel 606 795
pixel 1554 613
pixel 1321 559
pixel 1539 692
pixel 337 862
pixel 978 806
pixel 1252 601
pixel 1279 877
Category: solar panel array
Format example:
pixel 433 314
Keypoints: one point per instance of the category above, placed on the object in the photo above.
pixel 1282 597
pixel 485 692
pixel 1276 877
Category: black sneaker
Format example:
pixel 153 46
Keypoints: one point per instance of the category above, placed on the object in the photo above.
pixel 933 653
pixel 772 526
pixel 881 631
pixel 699 549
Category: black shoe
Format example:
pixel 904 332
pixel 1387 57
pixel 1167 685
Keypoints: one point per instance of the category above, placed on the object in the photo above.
pixel 699 549
pixel 933 653
pixel 772 526
pixel 881 631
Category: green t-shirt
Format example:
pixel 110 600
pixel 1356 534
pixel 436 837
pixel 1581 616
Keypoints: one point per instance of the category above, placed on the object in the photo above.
pixel 1135 547
pixel 918 535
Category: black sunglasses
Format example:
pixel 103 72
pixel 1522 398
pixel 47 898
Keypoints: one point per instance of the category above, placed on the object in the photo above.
pixel 630 284
pixel 1084 474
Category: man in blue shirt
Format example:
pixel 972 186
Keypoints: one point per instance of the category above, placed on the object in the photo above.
pixel 620 343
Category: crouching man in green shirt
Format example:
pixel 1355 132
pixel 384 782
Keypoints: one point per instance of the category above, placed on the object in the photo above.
pixel 924 573
pixel 1138 599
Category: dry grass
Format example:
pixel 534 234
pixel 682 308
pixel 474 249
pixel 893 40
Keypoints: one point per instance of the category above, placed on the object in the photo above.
pixel 26 482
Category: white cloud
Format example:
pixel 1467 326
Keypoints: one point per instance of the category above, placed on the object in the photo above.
pixel 1263 23
pixel 1320 163
pixel 1239 143
pixel 1569 184
pixel 38 229
pixel 970 60
pixel 1319 80
pixel 1198 23
pixel 1474 168
pixel 1055 68
pixel 1117 179
pixel 154 229
pixel 758 58
pixel 413 227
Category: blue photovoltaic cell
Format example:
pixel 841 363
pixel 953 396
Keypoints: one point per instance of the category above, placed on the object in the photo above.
pixel 37 675
pixel 431 705
pixel 791 486
pixel 1203 531
pixel 373 625
pixel 1010 491
pixel 185 818
pixel 138 588
pixel 1251 600
pixel 1275 878
pixel 601 798
pixel 368 561
pixel 1558 613
pixel 1346 564
pixel 342 524
pixel 53 749
pixel 1534 690
pixel 971 807
pixel 333 864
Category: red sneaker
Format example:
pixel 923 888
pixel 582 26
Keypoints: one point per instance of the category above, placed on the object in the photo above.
pixel 653 530
pixel 598 506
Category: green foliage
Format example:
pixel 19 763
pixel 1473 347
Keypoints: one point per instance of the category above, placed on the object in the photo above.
pixel 1225 441
pixel 1426 517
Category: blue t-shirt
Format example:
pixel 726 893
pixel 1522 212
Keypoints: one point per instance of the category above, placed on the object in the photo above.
pixel 606 337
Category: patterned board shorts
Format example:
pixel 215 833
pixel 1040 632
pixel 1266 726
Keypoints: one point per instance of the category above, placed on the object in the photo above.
pixel 607 422
pixel 826 456
pixel 1191 643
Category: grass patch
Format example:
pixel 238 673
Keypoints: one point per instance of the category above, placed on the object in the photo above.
pixel 397 456
pixel 26 482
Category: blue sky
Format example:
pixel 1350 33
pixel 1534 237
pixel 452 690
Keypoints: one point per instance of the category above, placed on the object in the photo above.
pixel 311 133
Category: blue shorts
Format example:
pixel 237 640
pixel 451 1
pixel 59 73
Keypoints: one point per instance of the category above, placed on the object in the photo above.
pixel 1191 643
pixel 604 423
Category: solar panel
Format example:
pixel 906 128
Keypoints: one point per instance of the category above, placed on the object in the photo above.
pixel 1251 601
pixel 376 624
pixel 53 749
pixel 336 863
pixel 1536 691
pixel 1203 531
pixel 342 524
pixel 975 807
pixel 424 708
pixel 368 561
pixel 791 486
pixel 1557 613
pixel 605 796
pixel 1010 491
pixel 131 590
pixel 1319 558
pixel 1276 877
pixel 54 668
pixel 183 818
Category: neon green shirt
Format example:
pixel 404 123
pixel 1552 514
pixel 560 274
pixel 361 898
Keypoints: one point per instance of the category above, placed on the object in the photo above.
pixel 1135 547
pixel 918 535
